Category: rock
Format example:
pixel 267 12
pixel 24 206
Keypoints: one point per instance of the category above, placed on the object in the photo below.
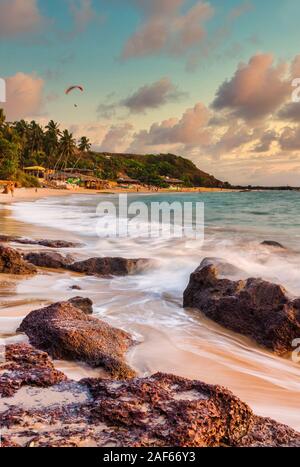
pixel 46 243
pixel 109 266
pixel 84 304
pixel 224 268
pixel 26 366
pixel 255 308
pixel 265 432
pixel 273 244
pixel 11 262
pixel 49 259
pixel 157 411
pixel 65 332
pixel 166 410
pixel 75 287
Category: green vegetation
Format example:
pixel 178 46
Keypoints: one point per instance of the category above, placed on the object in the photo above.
pixel 151 168
pixel 24 144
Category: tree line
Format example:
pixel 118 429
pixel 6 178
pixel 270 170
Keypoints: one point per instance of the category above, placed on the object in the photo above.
pixel 24 144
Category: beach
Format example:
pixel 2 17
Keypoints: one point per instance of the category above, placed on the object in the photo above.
pixel 149 305
pixel 31 194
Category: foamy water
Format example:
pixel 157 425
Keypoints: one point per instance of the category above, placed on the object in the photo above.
pixel 149 305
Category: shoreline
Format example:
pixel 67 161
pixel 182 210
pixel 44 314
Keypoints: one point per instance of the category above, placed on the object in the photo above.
pixel 32 194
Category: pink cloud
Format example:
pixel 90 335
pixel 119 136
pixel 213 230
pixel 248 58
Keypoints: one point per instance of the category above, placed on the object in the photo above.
pixel 19 17
pixel 165 29
pixel 256 90
pixel 24 96
pixel 188 131
pixel 116 139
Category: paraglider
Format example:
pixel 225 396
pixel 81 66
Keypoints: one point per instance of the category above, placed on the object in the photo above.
pixel 71 89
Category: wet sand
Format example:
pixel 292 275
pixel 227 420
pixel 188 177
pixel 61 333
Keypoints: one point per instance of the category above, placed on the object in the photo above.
pixel 192 346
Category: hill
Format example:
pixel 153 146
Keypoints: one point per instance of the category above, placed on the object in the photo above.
pixel 148 168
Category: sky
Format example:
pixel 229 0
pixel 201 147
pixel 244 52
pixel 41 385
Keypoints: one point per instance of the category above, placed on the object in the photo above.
pixel 208 80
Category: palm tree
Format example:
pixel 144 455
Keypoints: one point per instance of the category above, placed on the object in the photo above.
pixel 67 147
pixel 84 144
pixel 51 141
pixel 36 137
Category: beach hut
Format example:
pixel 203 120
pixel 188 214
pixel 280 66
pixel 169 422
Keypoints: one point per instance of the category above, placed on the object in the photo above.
pixel 36 171
pixel 173 181
pixel 128 181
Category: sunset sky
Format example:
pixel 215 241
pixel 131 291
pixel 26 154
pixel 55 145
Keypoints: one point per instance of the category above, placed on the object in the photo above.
pixel 211 81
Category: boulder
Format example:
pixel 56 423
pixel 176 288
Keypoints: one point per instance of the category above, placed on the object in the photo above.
pixel 25 366
pixel 46 243
pixel 258 309
pixel 65 332
pixel 109 266
pixel 49 259
pixel 158 411
pixel 83 303
pixel 11 262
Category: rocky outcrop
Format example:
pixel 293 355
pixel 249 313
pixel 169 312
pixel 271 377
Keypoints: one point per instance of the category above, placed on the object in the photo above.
pixel 255 308
pixel 49 259
pixel 46 243
pixel 65 332
pixel 83 303
pixel 158 411
pixel 165 410
pixel 11 262
pixel 92 267
pixel 109 266
pixel 25 366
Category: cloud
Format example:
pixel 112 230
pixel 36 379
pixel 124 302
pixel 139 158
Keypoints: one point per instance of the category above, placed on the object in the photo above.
pixel 233 137
pixel 290 139
pixel 152 96
pixel 116 139
pixel 19 17
pixel 290 112
pixel 149 96
pixel 24 96
pixel 256 90
pixel 188 131
pixel 165 29
pixel 266 141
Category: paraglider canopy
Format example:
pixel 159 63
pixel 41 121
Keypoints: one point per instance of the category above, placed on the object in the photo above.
pixel 72 88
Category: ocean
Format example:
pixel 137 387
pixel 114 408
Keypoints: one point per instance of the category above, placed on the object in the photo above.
pixel 149 305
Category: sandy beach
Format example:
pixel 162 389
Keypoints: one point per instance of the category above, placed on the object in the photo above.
pixel 31 194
